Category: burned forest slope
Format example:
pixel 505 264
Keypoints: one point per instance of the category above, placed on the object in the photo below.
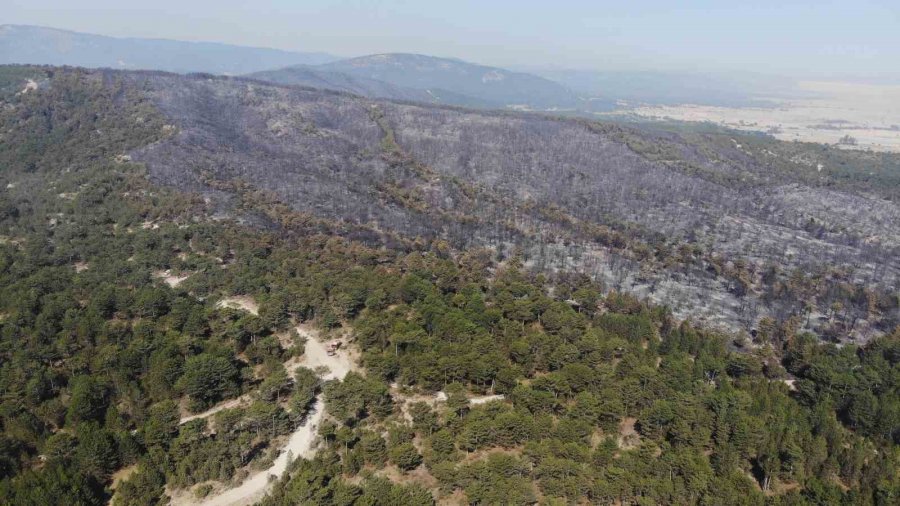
pixel 739 228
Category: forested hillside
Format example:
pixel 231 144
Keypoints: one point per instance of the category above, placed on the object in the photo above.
pixel 133 205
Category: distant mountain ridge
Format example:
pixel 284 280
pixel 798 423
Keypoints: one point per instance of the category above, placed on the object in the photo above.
pixel 313 77
pixel 491 84
pixel 51 46
pixel 395 76
pixel 449 81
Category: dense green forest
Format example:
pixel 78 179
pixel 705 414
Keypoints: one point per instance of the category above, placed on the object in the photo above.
pixel 607 400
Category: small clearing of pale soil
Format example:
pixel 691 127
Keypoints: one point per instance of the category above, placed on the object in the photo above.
pixel 316 355
pixel 484 399
pixel 169 278
pixel 302 442
pixel 81 266
pixel 404 400
pixel 30 85
pixel 441 396
pixel 240 302
pixel 628 436
pixel 122 475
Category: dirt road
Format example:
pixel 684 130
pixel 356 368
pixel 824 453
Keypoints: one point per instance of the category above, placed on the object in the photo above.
pixel 231 403
pixel 302 441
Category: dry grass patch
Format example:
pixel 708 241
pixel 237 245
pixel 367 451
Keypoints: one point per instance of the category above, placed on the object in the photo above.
pixel 242 302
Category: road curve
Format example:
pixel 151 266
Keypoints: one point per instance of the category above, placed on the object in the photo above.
pixel 300 444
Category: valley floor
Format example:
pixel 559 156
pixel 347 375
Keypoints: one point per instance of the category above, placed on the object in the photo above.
pixel 868 113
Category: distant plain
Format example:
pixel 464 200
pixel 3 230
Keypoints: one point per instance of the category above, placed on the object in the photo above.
pixel 868 113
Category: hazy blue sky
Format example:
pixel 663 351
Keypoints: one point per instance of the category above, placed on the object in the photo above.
pixel 819 38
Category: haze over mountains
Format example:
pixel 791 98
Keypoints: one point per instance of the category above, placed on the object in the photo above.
pixel 51 46
pixel 397 76
pixel 430 79
pixel 412 77
pixel 656 87
pixel 785 107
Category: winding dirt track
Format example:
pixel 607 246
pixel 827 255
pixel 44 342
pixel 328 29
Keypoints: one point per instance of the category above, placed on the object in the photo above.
pixel 231 403
pixel 301 443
